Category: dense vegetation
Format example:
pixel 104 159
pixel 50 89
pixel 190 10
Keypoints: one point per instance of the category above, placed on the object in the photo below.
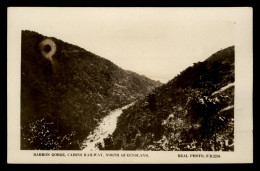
pixel 62 103
pixel 190 112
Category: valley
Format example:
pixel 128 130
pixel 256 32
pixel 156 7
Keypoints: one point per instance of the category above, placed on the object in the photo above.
pixel 74 99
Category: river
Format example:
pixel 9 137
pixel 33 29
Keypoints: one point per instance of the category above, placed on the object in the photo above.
pixel 105 128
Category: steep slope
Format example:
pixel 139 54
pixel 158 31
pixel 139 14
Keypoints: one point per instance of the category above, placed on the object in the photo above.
pixel 193 111
pixel 66 91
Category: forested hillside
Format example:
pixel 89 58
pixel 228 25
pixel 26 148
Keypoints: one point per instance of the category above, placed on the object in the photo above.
pixel 63 100
pixel 193 111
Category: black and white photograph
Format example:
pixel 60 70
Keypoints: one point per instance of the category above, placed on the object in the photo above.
pixel 134 80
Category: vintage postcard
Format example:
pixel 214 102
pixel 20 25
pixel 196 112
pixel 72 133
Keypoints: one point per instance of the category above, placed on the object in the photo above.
pixel 130 85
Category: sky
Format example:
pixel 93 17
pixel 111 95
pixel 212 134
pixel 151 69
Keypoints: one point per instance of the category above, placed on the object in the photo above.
pixel 156 42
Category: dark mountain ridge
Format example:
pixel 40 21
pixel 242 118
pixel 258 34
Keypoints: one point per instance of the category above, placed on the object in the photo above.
pixel 63 97
pixel 193 111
